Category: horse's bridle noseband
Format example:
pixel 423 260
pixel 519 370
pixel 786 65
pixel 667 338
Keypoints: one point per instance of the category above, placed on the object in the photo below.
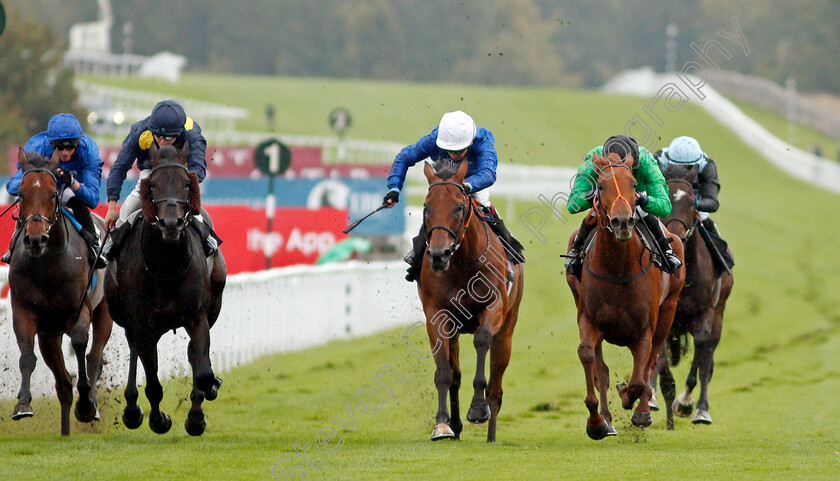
pixel 38 217
pixel 689 229
pixel 456 243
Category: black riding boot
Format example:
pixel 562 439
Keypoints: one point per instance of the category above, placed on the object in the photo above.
pixel 512 246
pixel 710 226
pixel 719 244
pixel 574 259
pixel 112 246
pixel 414 258
pixel 88 232
pixel 7 257
pixel 671 262
pixel 209 239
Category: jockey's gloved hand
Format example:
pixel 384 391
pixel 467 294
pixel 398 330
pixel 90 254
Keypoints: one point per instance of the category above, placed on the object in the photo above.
pixel 392 197
pixel 642 200
pixel 64 176
pixel 467 187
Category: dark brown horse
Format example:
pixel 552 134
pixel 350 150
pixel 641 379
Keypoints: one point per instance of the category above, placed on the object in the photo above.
pixel 161 281
pixel 467 286
pixel 621 298
pixel 48 276
pixel 700 308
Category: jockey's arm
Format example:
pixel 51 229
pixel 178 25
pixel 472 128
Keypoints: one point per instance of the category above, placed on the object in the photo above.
pixel 653 183
pixel 707 200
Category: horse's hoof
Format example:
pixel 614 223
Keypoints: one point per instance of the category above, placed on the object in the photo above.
pixel 86 414
pixel 22 410
pixel 132 417
pixel 641 420
pixel 442 431
pixel 682 410
pixel 610 429
pixel 701 417
pixel 599 432
pixel 96 416
pixel 161 424
pixel 195 425
pixel 653 404
pixel 213 392
pixel 478 415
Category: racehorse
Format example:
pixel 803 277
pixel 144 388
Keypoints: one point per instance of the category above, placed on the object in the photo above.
pixel 701 304
pixel 620 298
pixel 160 281
pixel 48 276
pixel 466 286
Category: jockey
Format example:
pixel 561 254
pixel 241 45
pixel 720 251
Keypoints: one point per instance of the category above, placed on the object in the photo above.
pixel 651 197
pixel 79 174
pixel 686 151
pixel 456 138
pixel 167 125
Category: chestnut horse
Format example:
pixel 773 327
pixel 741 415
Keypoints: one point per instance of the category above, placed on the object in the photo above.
pixel 161 281
pixel 701 305
pixel 621 298
pixel 48 276
pixel 466 286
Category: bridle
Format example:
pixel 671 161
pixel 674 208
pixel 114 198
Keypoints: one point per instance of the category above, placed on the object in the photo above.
pixel 49 222
pixel 170 201
pixel 465 218
pixel 689 229
pixel 605 218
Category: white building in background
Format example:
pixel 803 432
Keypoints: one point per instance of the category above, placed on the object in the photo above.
pixel 90 52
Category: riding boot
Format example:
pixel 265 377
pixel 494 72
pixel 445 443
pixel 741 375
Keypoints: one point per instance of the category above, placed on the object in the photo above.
pixel 7 257
pixel 88 232
pixel 574 259
pixel 209 239
pixel 710 226
pixel 512 246
pixel 112 246
pixel 671 262
pixel 414 257
pixel 719 244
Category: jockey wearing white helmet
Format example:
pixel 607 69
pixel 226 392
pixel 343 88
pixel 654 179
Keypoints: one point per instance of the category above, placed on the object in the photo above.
pixel 456 138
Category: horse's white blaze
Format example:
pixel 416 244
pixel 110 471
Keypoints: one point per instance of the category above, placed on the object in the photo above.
pixel 37 183
pixel 679 194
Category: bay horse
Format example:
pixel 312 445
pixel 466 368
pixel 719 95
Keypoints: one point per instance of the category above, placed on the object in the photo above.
pixel 48 275
pixel 701 303
pixel 621 298
pixel 466 286
pixel 161 281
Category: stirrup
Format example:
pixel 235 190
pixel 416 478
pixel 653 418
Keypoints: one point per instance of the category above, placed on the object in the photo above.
pixel 210 246
pixel 7 257
pixel 409 257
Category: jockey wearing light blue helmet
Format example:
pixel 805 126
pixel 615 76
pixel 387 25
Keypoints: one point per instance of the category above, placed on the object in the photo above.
pixel 686 151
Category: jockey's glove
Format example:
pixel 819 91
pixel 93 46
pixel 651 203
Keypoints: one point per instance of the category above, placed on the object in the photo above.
pixel 64 176
pixel 392 195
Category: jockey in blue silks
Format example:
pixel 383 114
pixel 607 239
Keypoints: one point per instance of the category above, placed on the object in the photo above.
pixel 79 174
pixel 456 138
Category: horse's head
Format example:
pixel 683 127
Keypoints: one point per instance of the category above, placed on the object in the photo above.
pixel 683 218
pixel 446 211
pixel 615 194
pixel 170 194
pixel 39 200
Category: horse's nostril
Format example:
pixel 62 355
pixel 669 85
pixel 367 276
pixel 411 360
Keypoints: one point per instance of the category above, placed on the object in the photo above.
pixel 180 222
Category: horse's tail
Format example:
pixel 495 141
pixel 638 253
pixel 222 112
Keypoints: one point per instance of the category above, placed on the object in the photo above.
pixel 677 346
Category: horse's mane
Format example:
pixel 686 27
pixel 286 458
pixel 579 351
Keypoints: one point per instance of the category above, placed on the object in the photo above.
pixel 36 160
pixel 445 168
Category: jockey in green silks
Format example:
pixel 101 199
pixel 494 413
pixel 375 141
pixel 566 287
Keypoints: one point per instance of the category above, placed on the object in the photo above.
pixel 651 197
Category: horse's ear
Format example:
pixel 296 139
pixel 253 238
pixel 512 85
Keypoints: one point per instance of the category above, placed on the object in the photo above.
pixel 154 152
pixel 21 157
pixel 185 151
pixel 429 172
pixel 53 163
pixel 462 171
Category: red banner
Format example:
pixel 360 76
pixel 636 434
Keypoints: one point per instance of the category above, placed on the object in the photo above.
pixel 239 162
pixel 298 235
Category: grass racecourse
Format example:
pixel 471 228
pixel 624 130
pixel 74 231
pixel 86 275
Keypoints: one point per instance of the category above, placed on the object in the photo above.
pixel 773 395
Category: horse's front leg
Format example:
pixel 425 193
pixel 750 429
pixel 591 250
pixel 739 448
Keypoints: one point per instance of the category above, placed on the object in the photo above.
pixel 159 421
pixel 705 343
pixel 479 411
pixel 596 426
pixel 454 402
pixel 444 376
pixel 638 388
pixel 54 359
pixel 86 406
pixel 25 328
pixel 101 332
pixel 132 414
pixel 602 382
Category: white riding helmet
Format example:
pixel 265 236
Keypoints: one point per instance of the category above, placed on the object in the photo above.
pixel 456 131
pixel 684 150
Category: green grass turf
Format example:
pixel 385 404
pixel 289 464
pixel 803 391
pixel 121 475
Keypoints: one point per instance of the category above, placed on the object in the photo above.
pixel 773 395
